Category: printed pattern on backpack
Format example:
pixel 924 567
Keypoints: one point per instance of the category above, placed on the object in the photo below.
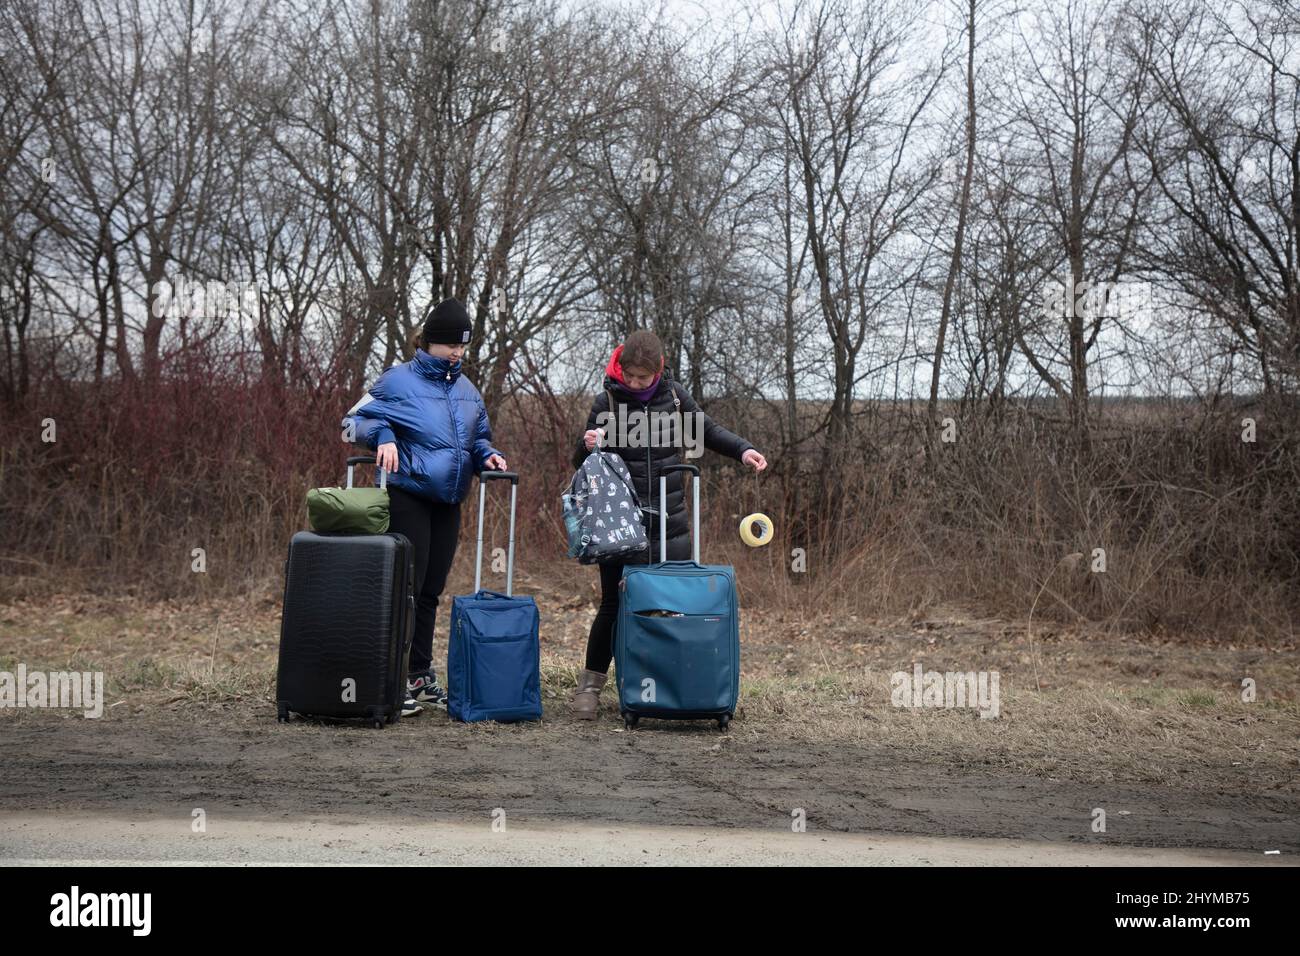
pixel 602 516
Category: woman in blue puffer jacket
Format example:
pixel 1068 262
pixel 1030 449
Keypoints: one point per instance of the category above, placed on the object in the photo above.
pixel 429 427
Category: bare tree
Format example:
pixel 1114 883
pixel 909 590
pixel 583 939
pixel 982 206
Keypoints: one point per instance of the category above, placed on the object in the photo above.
pixel 963 206
pixel 1078 107
pixel 1226 158
pixel 851 123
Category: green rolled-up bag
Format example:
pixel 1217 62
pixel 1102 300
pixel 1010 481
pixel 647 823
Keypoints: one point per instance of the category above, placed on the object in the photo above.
pixel 350 510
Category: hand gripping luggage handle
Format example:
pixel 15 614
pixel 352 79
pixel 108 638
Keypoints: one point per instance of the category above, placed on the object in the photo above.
pixel 367 460
pixel 695 510
pixel 483 478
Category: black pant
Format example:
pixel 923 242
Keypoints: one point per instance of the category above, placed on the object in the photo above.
pixel 434 528
pixel 600 642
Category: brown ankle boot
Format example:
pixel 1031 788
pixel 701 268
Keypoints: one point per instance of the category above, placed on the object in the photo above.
pixel 587 696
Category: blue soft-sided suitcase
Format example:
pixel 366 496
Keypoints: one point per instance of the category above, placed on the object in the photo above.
pixel 677 643
pixel 493 655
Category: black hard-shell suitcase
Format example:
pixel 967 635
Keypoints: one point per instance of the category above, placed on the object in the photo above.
pixel 349 616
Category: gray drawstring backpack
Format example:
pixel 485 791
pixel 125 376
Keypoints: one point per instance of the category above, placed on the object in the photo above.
pixel 602 515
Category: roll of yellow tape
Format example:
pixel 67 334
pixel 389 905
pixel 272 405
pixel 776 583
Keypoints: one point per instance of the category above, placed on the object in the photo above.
pixel 766 530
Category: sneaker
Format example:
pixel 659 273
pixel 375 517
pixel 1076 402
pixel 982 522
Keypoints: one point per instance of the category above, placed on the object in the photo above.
pixel 424 688
pixel 410 707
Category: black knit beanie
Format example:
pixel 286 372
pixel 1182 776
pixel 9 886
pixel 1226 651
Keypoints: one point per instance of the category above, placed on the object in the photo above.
pixel 447 323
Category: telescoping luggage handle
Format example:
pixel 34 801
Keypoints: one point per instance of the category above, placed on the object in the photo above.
pixel 367 460
pixel 695 510
pixel 483 478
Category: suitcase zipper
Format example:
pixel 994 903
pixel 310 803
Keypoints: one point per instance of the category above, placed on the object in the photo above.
pixel 467 665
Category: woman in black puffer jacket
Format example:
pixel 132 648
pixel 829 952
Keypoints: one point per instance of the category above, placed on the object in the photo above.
pixel 637 385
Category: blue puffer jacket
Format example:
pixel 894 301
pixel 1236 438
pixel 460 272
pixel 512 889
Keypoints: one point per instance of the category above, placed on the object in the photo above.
pixel 438 420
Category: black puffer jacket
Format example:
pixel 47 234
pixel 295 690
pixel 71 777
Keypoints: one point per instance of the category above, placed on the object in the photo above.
pixel 646 459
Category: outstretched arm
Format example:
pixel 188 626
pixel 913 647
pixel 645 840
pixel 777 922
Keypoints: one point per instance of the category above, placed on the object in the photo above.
pixel 716 438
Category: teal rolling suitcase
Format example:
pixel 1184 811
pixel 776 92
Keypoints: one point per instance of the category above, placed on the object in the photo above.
pixel 677 641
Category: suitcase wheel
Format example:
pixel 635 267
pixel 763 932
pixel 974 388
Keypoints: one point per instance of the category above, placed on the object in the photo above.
pixel 378 724
pixel 723 721
pixel 630 721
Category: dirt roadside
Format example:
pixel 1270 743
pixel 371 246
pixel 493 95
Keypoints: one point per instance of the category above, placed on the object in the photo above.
pixel 233 759
pixel 1156 736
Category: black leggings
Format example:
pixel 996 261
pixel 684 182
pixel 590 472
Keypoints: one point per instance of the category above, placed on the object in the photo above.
pixel 434 528
pixel 600 642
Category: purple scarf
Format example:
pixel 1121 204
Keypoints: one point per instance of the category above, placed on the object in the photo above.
pixel 645 393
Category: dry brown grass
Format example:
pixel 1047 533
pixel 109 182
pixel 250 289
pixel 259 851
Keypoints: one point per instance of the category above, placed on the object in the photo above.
pixel 1076 703
pixel 1201 531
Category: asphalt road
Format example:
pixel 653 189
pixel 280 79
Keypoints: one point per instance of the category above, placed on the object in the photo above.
pixel 70 837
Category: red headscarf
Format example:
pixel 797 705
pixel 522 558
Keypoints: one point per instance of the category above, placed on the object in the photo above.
pixel 615 368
